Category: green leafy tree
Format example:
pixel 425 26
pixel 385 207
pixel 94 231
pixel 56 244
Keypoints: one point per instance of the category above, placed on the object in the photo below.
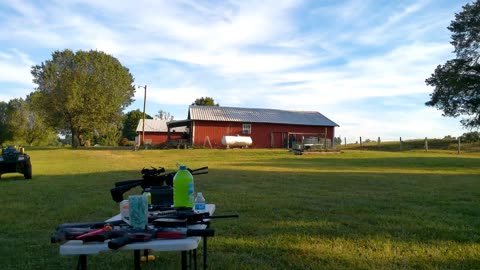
pixel 36 129
pixel 5 133
pixel 109 135
pixel 163 115
pixel 337 140
pixel 16 121
pixel 457 82
pixel 205 101
pixel 82 92
pixel 27 126
pixel 130 123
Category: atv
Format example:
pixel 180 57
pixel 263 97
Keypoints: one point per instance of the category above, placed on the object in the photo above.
pixel 14 159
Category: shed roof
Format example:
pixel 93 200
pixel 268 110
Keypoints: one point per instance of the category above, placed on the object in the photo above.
pixel 255 115
pixel 157 125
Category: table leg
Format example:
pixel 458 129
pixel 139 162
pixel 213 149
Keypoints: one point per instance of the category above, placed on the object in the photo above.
pixel 136 259
pixel 190 259
pixel 145 254
pixel 184 260
pixel 82 262
pixel 195 259
pixel 205 252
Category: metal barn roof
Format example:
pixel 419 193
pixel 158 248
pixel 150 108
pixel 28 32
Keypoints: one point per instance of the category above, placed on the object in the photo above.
pixel 157 125
pixel 232 114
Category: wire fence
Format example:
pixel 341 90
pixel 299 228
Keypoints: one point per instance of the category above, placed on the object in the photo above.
pixel 313 144
pixel 426 144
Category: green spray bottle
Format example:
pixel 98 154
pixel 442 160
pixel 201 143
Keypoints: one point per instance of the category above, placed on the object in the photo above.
pixel 183 189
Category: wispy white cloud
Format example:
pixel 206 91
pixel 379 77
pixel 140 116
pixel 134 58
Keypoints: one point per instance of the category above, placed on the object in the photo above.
pixel 15 68
pixel 186 31
pixel 383 33
pixel 344 11
pixel 26 9
pixel 400 72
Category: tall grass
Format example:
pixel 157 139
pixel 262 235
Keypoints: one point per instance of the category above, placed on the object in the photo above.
pixel 354 210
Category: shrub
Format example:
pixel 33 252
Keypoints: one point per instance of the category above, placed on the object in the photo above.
pixel 124 142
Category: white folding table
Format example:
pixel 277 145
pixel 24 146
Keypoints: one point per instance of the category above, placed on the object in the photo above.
pixel 77 247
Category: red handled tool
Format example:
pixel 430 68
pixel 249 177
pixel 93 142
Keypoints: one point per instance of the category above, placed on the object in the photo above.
pixel 95 232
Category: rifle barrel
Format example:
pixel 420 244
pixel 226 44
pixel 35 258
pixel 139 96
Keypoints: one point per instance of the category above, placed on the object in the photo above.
pixel 127 182
pixel 199 169
pixel 197 173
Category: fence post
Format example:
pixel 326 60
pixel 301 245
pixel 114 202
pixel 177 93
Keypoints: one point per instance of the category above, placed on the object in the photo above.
pixel 426 144
pixel 458 152
pixel 400 143
pixel 325 142
pixel 361 141
pixel 345 141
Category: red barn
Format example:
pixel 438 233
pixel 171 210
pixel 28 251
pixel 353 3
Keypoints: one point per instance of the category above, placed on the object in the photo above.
pixel 267 128
pixel 156 132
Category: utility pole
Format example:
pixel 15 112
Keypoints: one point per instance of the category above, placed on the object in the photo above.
pixel 143 122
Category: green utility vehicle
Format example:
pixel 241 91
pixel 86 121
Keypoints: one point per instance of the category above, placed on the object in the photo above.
pixel 14 159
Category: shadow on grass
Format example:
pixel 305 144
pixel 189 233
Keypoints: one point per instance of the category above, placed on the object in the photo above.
pixel 287 220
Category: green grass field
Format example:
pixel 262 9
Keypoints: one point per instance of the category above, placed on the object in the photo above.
pixel 354 210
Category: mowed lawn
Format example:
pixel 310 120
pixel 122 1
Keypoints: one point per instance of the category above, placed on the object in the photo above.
pixel 354 210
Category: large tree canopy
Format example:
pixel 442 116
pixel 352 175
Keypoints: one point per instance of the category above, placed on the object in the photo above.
pixel 82 92
pixel 457 82
pixel 205 101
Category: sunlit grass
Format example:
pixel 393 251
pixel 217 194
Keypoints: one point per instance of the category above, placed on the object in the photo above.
pixel 354 210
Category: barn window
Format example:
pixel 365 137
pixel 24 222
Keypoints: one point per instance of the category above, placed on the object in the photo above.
pixel 246 129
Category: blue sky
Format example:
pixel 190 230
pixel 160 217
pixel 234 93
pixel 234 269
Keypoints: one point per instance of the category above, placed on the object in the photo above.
pixel 361 63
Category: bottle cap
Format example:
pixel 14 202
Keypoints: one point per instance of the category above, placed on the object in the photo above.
pixel 183 167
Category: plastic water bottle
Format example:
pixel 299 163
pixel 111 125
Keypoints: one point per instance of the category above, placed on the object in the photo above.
pixel 200 203
pixel 125 211
pixel 183 190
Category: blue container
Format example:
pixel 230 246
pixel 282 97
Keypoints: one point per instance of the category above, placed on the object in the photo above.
pixel 138 210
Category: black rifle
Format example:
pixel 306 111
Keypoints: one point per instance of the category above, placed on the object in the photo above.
pixel 155 181
pixel 133 236
pixel 191 217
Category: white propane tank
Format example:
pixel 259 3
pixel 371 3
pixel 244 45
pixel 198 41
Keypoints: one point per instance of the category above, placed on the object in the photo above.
pixel 236 141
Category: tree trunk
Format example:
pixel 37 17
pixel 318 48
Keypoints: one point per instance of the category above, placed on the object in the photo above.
pixel 75 138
